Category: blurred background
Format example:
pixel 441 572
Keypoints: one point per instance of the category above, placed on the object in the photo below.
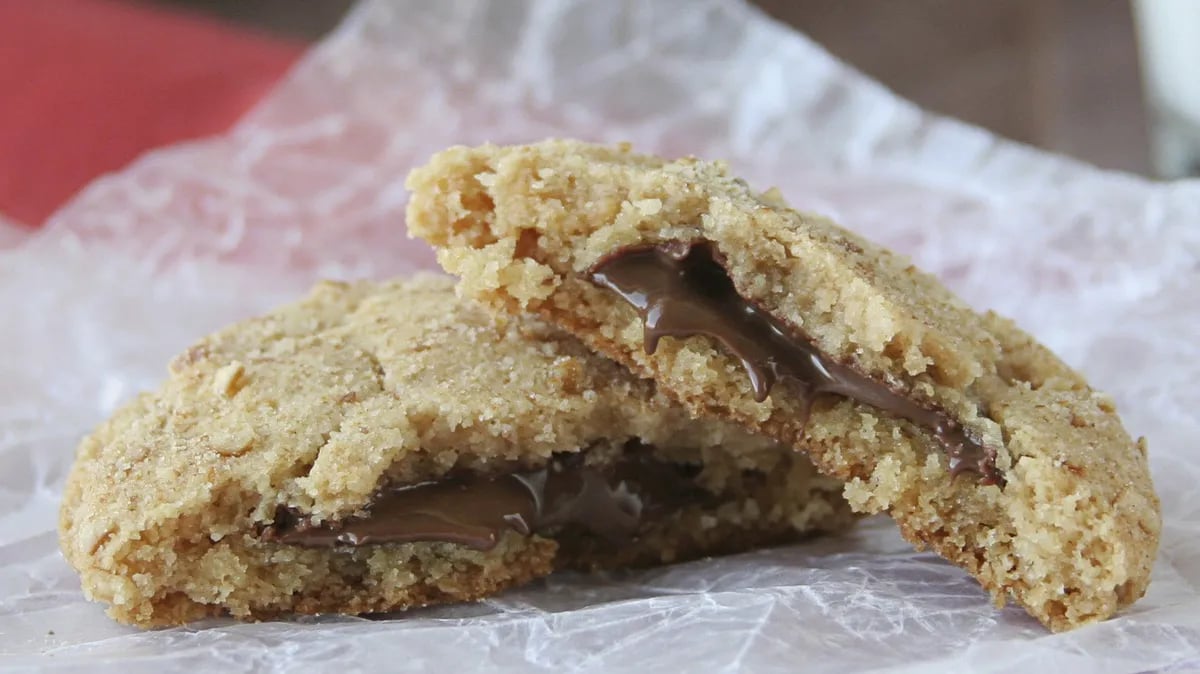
pixel 1063 75
pixel 1059 74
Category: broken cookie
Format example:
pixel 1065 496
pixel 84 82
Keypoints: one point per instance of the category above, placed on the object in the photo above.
pixel 980 442
pixel 376 447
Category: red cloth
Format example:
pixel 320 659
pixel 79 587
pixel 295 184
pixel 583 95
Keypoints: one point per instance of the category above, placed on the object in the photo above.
pixel 88 85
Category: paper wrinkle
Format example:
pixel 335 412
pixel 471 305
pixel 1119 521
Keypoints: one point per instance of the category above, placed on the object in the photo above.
pixel 1101 266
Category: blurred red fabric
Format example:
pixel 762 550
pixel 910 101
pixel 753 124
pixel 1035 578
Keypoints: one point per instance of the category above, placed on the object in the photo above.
pixel 88 85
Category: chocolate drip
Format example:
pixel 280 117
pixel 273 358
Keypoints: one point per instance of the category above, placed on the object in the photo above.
pixel 475 511
pixel 681 289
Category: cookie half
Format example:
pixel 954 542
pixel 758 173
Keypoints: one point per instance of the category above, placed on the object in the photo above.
pixel 377 447
pixel 979 441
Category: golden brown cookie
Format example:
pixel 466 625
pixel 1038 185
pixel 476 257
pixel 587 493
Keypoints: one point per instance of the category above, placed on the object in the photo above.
pixel 381 446
pixel 979 441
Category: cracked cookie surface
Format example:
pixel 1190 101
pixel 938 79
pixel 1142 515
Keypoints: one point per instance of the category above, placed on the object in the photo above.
pixel 312 407
pixel 1071 526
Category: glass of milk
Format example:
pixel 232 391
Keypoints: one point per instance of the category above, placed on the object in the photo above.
pixel 1169 39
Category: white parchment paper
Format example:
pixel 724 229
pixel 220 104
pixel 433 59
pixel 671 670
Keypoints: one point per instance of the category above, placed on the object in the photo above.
pixel 1103 267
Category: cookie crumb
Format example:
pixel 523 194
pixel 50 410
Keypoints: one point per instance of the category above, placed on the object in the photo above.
pixel 229 379
pixel 648 206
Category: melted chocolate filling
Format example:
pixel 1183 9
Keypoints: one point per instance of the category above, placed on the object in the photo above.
pixel 681 289
pixel 608 501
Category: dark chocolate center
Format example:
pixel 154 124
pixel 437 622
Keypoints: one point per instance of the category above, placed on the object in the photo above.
pixel 681 289
pixel 608 501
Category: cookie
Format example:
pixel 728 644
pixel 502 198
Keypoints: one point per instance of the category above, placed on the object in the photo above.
pixel 382 446
pixel 981 443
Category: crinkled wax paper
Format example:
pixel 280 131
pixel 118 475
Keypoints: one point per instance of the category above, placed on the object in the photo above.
pixel 1103 267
